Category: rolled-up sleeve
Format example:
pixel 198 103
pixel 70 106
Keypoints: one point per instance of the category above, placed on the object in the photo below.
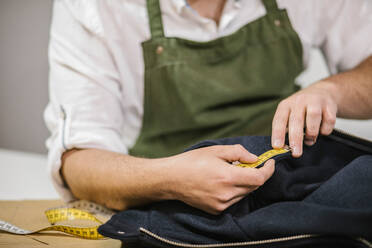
pixel 84 109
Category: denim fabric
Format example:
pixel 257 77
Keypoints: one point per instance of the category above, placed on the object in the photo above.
pixel 328 191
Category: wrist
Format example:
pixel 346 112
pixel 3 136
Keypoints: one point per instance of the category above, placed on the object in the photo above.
pixel 163 178
pixel 330 88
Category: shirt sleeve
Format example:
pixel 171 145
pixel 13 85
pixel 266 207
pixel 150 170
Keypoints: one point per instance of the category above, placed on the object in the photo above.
pixel 344 32
pixel 84 110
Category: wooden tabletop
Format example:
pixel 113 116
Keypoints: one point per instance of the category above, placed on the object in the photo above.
pixel 29 215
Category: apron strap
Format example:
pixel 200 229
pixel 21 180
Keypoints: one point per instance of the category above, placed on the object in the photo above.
pixel 156 22
pixel 270 5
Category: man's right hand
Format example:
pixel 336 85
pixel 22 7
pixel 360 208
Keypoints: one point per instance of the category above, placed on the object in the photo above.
pixel 202 178
pixel 205 179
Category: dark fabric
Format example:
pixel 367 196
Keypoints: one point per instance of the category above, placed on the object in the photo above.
pixel 328 191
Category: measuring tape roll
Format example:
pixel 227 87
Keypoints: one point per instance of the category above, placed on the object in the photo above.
pixel 71 212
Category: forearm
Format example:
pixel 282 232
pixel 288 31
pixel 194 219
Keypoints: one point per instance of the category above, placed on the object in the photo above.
pixel 115 180
pixel 352 91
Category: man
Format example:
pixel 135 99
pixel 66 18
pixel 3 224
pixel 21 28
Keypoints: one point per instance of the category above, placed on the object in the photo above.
pixel 133 83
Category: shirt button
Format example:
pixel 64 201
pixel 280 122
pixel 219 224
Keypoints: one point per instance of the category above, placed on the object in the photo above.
pixel 277 22
pixel 159 50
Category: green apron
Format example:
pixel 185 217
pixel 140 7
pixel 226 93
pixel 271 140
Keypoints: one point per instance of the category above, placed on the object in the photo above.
pixel 226 87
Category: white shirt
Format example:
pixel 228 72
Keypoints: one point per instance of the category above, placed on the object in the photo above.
pixel 97 70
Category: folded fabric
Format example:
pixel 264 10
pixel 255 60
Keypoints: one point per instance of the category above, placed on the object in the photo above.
pixel 323 199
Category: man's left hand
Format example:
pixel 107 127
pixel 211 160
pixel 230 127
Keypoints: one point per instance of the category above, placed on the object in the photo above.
pixel 312 109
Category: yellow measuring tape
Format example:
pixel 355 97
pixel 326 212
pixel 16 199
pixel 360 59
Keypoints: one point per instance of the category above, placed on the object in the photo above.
pixel 67 214
pixel 266 156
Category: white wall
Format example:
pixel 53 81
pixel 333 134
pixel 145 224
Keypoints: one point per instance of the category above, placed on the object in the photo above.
pixel 24 28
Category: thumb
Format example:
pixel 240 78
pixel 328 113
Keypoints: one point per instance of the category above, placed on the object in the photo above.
pixel 267 170
pixel 231 153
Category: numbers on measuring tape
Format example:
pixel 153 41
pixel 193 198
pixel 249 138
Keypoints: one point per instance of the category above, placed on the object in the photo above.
pixel 266 156
pixel 62 214
pixel 71 212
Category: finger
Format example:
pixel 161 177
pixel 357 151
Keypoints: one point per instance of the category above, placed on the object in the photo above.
pixel 222 206
pixel 235 200
pixel 242 189
pixel 296 130
pixel 313 120
pixel 233 193
pixel 329 120
pixel 267 170
pixel 219 207
pixel 233 153
pixel 252 177
pixel 279 125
